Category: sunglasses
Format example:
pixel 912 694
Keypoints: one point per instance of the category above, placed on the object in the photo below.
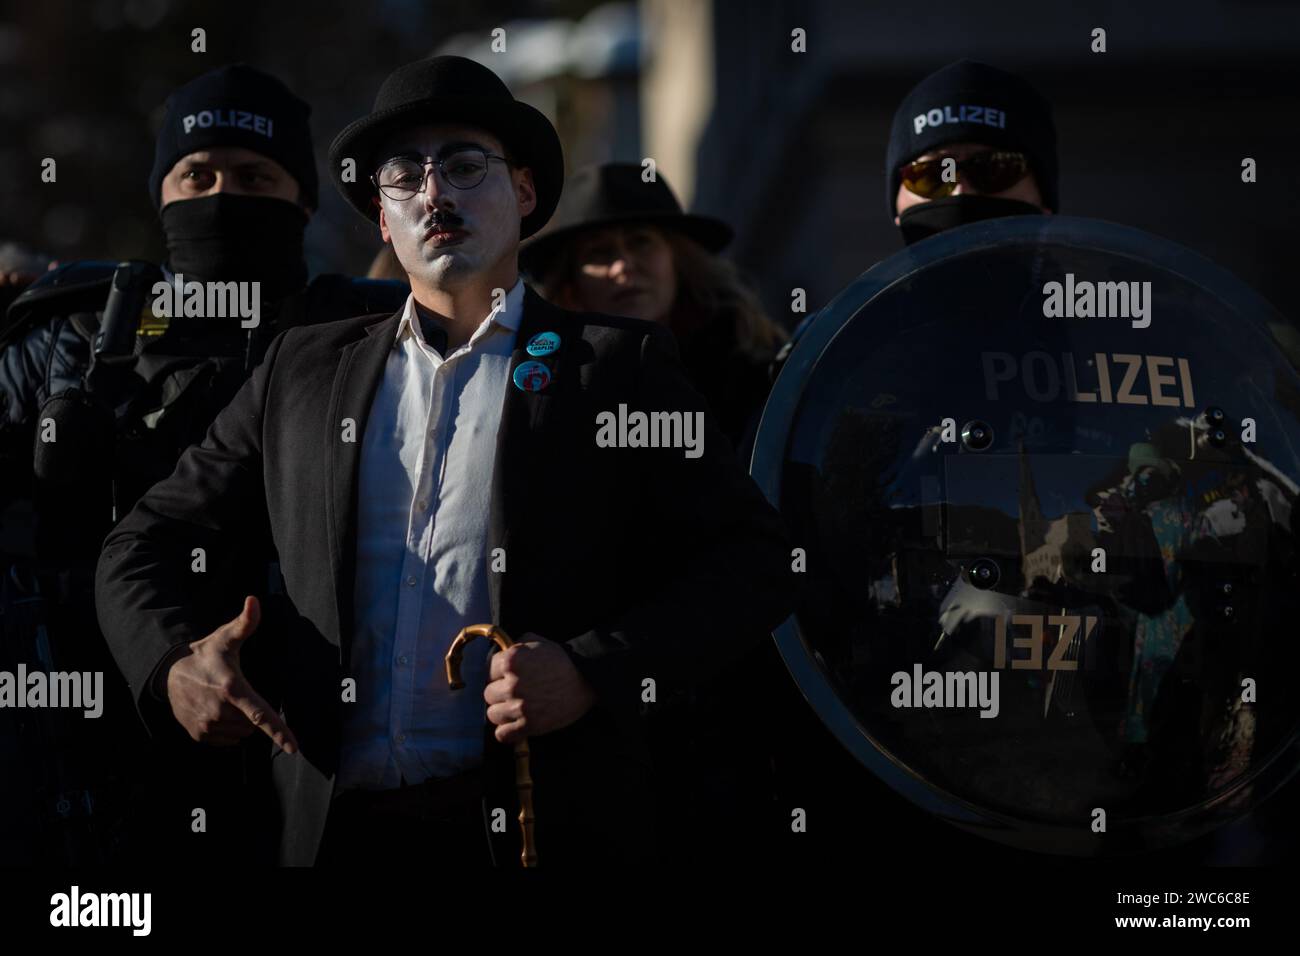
pixel 994 171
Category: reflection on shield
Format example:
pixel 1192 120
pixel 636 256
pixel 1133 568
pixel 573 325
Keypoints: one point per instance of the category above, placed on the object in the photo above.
pixel 1051 559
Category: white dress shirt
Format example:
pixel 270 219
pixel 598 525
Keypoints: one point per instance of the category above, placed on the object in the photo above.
pixel 424 497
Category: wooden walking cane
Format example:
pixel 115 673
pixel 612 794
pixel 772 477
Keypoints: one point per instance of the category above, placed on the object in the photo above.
pixel 523 778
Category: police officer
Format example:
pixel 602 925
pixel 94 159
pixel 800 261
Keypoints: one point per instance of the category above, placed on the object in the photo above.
pixel 994 135
pixel 969 142
pixel 100 392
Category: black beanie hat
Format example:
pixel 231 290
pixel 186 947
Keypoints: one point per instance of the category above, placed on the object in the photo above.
pixel 237 105
pixel 973 102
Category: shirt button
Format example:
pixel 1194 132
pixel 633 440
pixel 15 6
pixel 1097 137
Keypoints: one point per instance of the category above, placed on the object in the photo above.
pixel 421 504
pixel 401 738
pixel 433 432
pixel 411 581
pixel 402 659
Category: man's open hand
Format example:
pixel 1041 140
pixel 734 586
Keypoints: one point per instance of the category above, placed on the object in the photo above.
pixel 210 696
pixel 534 689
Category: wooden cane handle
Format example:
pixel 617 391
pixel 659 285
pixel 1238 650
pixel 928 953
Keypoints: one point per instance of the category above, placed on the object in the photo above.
pixel 457 649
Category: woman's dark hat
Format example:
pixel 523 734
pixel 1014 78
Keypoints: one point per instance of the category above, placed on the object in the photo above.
pixel 452 89
pixel 613 194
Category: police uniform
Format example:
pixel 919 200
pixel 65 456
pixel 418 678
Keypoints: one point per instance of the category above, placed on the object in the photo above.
pixel 99 395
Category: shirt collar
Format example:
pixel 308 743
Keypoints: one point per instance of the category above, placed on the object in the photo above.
pixel 507 316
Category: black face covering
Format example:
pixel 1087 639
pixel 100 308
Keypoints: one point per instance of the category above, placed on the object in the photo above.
pixel 229 237
pixel 926 219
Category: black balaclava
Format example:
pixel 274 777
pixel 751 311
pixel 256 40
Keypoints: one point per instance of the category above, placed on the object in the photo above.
pixel 227 236
pixel 231 237
pixel 928 218
pixel 971 102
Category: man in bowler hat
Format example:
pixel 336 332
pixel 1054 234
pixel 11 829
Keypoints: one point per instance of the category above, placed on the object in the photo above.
pixel 435 468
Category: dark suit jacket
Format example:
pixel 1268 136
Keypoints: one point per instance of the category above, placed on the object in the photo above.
pixel 644 563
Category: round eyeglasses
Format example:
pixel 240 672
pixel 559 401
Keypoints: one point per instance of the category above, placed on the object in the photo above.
pixel 400 179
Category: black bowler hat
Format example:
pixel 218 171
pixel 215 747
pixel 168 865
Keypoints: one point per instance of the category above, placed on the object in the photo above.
pixel 452 89
pixel 613 194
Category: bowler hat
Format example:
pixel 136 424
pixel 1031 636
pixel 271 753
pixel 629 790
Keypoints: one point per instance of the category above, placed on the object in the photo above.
pixel 452 89
pixel 613 194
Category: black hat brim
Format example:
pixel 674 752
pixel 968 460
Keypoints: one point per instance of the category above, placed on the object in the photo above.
pixel 525 132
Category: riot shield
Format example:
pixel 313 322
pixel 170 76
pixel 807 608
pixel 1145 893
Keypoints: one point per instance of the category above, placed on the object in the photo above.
pixel 1043 473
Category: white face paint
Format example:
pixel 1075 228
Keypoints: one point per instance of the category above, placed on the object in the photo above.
pixel 483 221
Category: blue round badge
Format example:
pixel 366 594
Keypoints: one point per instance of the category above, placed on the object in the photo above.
pixel 532 376
pixel 543 343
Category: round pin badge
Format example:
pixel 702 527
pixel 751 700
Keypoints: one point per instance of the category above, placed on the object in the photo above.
pixel 543 343
pixel 532 376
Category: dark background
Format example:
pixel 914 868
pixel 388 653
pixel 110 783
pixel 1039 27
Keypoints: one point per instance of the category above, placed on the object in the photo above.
pixel 85 83
pixel 1152 132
